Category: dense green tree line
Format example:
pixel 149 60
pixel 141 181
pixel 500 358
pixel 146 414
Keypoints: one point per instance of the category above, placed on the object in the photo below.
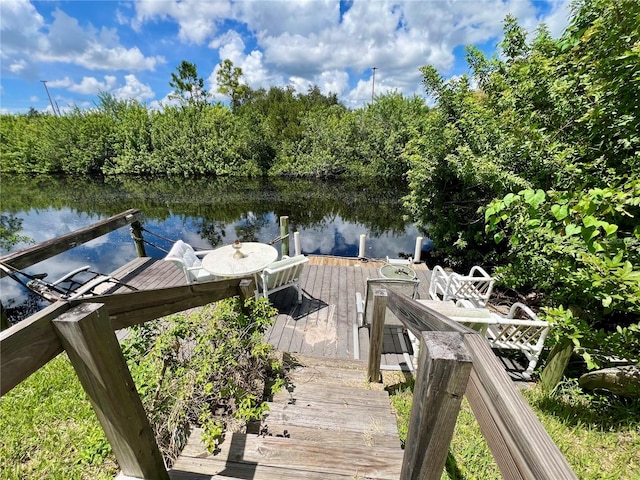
pixel 274 132
pixel 537 170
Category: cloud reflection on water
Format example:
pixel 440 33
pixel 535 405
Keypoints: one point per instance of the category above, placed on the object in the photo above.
pixel 335 236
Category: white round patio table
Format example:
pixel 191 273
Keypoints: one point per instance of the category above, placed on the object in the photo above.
pixel 223 261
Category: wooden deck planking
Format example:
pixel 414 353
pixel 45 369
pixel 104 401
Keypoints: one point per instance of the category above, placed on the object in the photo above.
pixel 330 286
pixel 322 325
pixel 309 323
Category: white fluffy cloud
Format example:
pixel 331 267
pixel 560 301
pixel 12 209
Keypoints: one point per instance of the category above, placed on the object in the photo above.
pixel 306 42
pixel 27 38
pixel 134 89
pixel 91 86
pixel 197 19
pixel 276 42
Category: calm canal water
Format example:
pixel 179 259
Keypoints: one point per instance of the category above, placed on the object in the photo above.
pixel 206 213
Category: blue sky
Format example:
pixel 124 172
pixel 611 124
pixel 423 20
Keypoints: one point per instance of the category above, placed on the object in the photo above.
pixel 130 48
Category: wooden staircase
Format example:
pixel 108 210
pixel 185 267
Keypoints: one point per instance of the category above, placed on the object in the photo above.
pixel 329 424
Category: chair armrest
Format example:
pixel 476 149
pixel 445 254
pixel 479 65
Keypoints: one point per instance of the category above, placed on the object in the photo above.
pixel 71 274
pixel 88 287
pixel 437 282
pixel 476 269
pixel 202 253
pixel 438 271
pixel 521 306
pixel 359 309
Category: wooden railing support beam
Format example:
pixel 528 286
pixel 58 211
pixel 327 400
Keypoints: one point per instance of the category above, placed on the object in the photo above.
pixel 86 334
pixel 443 372
pixel 28 345
pixel 138 240
pixel 37 253
pixel 284 235
pixel 247 291
pixel 376 335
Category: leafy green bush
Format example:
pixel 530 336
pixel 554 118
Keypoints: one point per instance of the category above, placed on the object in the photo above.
pixel 582 250
pixel 206 368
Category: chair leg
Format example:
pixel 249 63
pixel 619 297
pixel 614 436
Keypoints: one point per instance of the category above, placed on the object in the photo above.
pixel 533 361
pixel 415 345
pixel 299 288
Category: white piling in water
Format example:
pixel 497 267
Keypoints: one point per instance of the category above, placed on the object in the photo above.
pixel 418 250
pixel 363 246
pixel 296 243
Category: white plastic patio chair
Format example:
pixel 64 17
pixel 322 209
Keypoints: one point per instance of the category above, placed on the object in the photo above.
pixel 364 309
pixel 281 274
pixel 399 261
pixel 186 258
pixel 476 286
pixel 526 335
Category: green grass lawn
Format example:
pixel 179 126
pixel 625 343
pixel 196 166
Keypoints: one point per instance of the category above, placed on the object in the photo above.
pixel 48 429
pixel 599 435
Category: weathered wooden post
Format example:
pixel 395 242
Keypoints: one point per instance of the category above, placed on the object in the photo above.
pixel 247 290
pixel 86 334
pixel 444 366
pixel 284 235
pixel 377 333
pixel 136 234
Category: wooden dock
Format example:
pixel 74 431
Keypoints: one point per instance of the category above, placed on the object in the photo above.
pixel 330 423
pixel 322 325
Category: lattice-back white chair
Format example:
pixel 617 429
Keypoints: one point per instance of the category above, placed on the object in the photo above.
pixel 475 287
pixel 281 274
pixel 185 257
pixel 526 335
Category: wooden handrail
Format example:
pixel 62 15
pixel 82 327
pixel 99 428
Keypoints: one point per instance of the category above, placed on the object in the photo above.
pixel 37 253
pixel 31 343
pixel 519 443
pixel 85 329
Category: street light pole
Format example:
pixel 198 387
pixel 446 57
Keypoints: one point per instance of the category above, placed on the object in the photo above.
pixel 44 82
pixel 373 83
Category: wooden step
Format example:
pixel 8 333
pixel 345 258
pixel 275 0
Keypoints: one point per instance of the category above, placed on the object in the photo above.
pixel 322 375
pixel 302 360
pixel 329 424
pixel 360 420
pixel 188 468
pixel 298 393
pixel 296 455
pixel 371 438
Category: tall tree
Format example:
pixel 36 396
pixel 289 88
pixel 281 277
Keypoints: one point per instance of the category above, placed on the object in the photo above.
pixel 229 83
pixel 188 87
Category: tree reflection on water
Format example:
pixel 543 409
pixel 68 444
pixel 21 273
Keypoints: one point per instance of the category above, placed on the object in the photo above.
pixel 206 213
